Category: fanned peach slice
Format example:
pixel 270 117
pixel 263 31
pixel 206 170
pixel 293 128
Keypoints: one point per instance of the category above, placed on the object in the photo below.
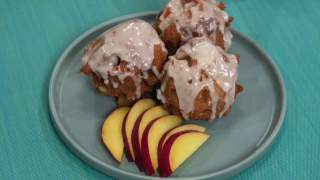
pixel 141 123
pixel 111 132
pixel 151 137
pixel 129 121
pixel 178 148
pixel 173 131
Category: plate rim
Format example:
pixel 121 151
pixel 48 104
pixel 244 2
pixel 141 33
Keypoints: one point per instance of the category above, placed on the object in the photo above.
pixel 97 164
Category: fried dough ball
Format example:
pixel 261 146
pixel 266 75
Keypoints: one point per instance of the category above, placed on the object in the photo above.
pixel 199 81
pixel 125 61
pixel 181 20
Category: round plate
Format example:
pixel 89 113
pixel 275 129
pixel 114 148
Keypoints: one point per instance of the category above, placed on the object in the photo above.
pixel 237 140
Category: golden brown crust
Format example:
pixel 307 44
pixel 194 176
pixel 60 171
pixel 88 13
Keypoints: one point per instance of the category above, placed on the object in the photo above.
pixel 157 23
pixel 167 13
pixel 152 79
pixel 159 57
pixel 238 57
pixel 202 103
pixel 222 6
pixel 123 101
pixel 219 39
pixel 201 7
pixel 171 38
pixel 86 70
pixel 170 93
pixel 230 20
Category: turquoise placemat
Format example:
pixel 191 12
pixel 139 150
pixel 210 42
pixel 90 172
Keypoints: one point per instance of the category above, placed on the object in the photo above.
pixel 34 33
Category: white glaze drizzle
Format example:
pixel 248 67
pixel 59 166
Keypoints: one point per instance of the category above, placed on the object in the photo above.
pixel 209 58
pixel 203 22
pixel 133 42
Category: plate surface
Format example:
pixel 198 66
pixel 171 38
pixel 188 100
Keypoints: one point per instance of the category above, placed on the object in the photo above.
pixel 237 140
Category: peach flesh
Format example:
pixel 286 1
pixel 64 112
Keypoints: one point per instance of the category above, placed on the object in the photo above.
pixel 144 119
pixel 178 148
pixel 111 133
pixel 151 137
pixel 173 131
pixel 129 122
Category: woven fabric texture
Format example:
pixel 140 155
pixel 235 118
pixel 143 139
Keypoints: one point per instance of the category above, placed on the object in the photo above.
pixel 35 33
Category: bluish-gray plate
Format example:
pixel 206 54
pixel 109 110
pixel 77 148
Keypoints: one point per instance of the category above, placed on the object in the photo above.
pixel 237 140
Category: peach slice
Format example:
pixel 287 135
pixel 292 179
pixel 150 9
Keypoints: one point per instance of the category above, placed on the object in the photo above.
pixel 144 119
pixel 178 148
pixel 173 131
pixel 111 132
pixel 151 137
pixel 129 121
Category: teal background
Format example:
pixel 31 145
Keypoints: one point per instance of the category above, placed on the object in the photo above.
pixel 34 33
